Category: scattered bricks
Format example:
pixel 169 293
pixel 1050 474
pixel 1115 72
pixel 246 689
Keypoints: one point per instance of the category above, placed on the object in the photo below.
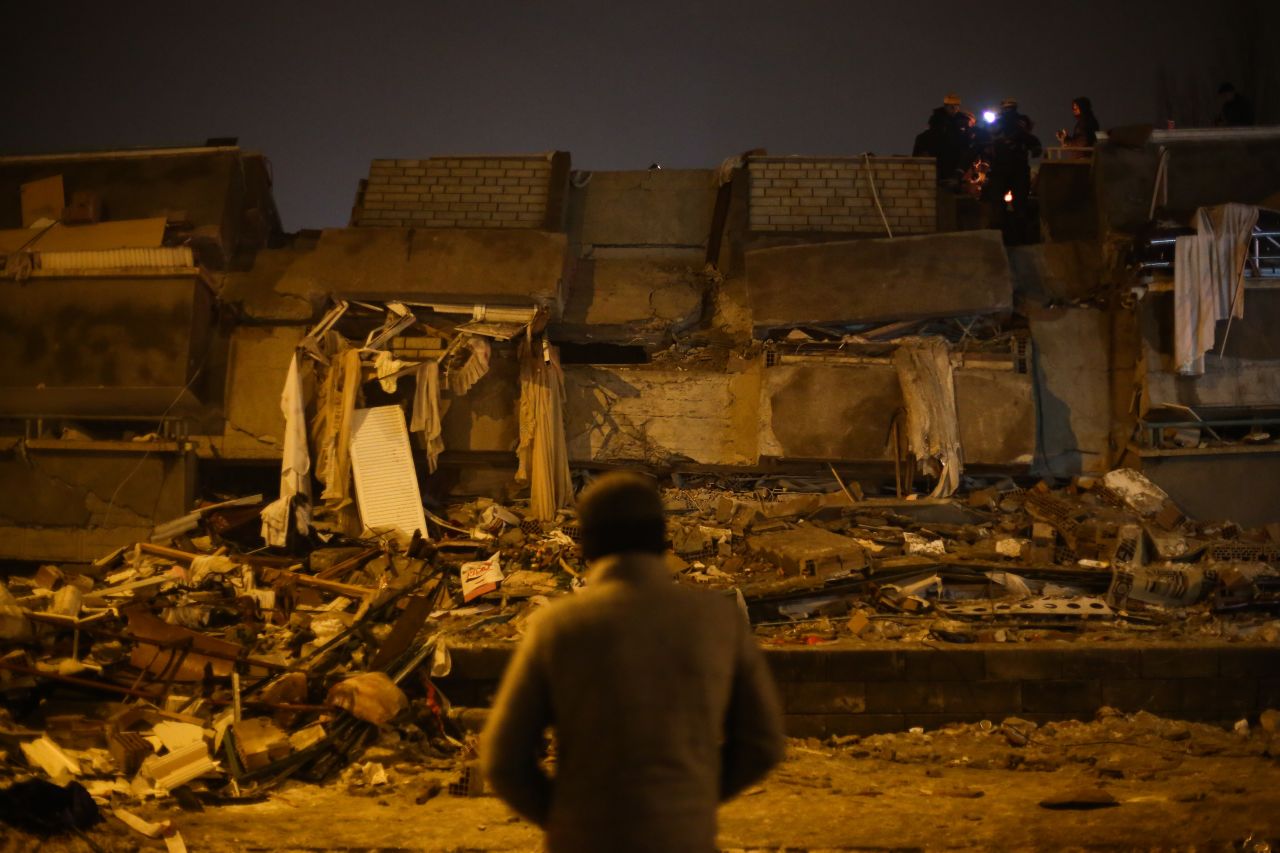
pixel 1156 695
pixel 1168 662
pixel 824 697
pixel 1061 697
pixel 128 750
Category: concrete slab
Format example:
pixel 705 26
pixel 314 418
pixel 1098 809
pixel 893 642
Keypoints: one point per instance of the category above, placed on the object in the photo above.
pixel 632 297
pixel 493 266
pixel 845 412
pixel 1200 172
pixel 1073 377
pixel 113 346
pixel 879 280
pixel 64 504
pixel 1056 271
pixel 661 415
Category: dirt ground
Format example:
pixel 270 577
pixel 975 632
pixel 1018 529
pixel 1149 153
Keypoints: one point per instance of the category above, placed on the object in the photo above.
pixel 972 787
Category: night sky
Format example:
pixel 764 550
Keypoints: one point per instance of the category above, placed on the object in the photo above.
pixel 321 88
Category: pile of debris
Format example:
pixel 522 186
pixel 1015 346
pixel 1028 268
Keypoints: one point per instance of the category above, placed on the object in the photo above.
pixel 197 662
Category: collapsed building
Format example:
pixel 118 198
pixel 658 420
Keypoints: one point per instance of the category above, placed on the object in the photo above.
pixel 856 394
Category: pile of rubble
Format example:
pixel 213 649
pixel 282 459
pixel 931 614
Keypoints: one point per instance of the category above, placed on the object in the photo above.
pixel 199 663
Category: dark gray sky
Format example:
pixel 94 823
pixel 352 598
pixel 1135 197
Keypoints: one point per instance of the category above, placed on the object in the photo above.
pixel 323 87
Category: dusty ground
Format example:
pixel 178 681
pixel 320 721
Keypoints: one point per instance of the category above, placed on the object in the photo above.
pixel 1176 785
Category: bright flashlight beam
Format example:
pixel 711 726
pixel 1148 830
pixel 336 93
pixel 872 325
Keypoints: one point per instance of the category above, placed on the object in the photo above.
pixel 989 116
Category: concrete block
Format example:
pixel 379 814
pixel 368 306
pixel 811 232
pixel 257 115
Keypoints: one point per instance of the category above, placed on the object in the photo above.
pixel 1024 663
pixel 1103 663
pixel 944 665
pixel 667 207
pixel 1230 696
pixel 991 698
pixel 1061 697
pixel 1176 662
pixel 1157 695
pixel 658 415
pixel 865 665
pixel 796 664
pixel 903 697
pixel 1248 661
pixel 824 697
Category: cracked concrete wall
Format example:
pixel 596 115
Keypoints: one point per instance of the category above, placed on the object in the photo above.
pixel 653 207
pixel 845 412
pixel 494 266
pixel 487 417
pixel 118 346
pixel 258 363
pixel 631 297
pixel 879 280
pixel 1200 173
pixel 1245 373
pixel 662 415
pixel 1073 373
pixel 73 501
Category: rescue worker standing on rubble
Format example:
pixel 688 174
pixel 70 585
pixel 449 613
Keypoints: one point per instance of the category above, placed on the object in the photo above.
pixel 660 701
pixel 1008 186
pixel 946 139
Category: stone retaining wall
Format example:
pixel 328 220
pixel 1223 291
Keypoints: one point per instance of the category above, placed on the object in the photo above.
pixel 866 690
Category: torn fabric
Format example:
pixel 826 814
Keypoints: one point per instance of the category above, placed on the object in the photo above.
pixel 474 364
pixel 295 466
pixel 1208 280
pixel 543 453
pixel 387 367
pixel 933 428
pixel 426 411
pixel 331 427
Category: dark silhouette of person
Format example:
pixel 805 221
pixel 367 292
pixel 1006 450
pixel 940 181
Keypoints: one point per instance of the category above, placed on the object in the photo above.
pixel 1085 132
pixel 1009 151
pixel 1234 109
pixel 659 698
pixel 946 139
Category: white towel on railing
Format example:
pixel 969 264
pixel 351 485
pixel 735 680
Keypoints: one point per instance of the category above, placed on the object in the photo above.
pixel 1208 280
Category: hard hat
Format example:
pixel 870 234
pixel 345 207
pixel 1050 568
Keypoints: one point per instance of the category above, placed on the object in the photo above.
pixel 1009 103
pixel 952 99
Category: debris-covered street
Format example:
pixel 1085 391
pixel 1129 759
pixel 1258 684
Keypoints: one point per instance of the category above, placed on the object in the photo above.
pixel 640 429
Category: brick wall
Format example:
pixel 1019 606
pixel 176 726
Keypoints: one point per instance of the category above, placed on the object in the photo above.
pixel 522 191
pixel 832 194
pixel 868 689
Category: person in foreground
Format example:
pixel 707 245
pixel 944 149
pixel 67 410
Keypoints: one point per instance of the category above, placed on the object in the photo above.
pixel 660 701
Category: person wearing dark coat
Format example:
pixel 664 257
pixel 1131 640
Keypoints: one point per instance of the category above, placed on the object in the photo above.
pixel 660 701
pixel 1012 144
pixel 946 139
pixel 1085 132
pixel 1234 108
